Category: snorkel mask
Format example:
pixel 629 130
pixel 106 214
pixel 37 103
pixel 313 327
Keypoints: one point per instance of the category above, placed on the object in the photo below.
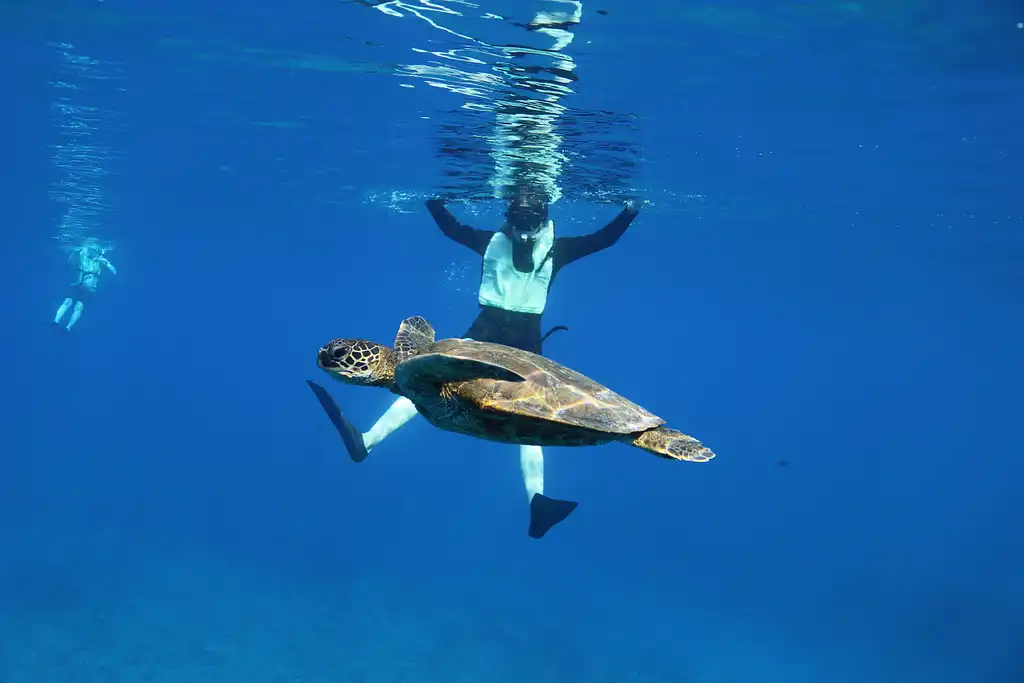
pixel 525 216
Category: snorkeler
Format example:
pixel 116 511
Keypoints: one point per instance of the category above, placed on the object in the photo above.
pixel 91 261
pixel 520 261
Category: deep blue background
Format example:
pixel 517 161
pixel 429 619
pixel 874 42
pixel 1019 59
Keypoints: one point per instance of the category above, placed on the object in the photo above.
pixel 845 297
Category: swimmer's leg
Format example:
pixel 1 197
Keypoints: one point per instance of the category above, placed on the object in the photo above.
pixel 400 412
pixel 62 310
pixel 531 463
pixel 359 445
pixel 75 314
pixel 544 512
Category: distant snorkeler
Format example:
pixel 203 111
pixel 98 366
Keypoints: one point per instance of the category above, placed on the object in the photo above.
pixel 519 263
pixel 91 261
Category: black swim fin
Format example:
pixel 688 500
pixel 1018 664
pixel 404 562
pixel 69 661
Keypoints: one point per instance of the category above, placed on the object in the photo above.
pixel 351 436
pixel 546 512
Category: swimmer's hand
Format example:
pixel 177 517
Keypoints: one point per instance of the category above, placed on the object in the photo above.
pixel 634 205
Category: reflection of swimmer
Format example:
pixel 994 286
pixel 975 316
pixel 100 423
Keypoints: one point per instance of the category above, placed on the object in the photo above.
pixel 91 261
pixel 557 23
pixel 519 262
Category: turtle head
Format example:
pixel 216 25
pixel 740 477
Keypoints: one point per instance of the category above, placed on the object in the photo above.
pixel 355 361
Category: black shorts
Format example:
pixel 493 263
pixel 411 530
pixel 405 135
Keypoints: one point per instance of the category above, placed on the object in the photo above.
pixel 498 326
pixel 80 293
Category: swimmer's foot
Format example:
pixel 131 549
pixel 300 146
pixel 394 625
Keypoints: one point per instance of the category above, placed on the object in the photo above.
pixel 546 512
pixel 350 436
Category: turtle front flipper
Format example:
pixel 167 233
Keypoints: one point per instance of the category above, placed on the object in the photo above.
pixel 350 436
pixel 434 369
pixel 414 335
pixel 672 444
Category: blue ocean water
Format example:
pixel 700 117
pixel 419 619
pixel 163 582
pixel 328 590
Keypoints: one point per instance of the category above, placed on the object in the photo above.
pixel 824 286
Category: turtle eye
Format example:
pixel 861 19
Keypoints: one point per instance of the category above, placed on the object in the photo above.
pixel 339 352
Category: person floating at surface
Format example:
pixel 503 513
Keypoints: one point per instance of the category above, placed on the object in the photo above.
pixel 91 261
pixel 519 263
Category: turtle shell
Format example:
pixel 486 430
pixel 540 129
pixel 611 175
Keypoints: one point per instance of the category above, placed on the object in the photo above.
pixel 550 391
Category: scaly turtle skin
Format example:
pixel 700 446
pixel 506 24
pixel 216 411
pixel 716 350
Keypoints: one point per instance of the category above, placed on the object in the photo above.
pixel 500 393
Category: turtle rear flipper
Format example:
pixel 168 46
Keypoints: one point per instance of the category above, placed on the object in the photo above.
pixel 546 512
pixel 672 444
pixel 414 335
pixel 350 436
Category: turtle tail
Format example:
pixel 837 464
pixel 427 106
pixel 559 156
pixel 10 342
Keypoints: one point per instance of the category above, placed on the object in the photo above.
pixel 672 444
pixel 554 329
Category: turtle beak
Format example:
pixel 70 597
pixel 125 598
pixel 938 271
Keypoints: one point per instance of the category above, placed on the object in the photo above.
pixel 323 358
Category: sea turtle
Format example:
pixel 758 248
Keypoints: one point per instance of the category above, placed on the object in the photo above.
pixel 498 393
pixel 501 393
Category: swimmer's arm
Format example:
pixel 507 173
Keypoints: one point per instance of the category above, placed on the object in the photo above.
pixel 569 249
pixel 110 266
pixel 476 240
